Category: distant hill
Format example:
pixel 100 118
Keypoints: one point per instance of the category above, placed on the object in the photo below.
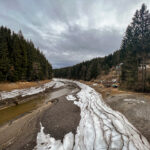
pixel 89 69
pixel 134 54
pixel 20 60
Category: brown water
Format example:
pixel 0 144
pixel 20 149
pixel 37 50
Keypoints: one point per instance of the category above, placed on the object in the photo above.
pixel 13 112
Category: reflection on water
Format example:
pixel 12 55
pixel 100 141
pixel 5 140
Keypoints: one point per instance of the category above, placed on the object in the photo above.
pixel 13 112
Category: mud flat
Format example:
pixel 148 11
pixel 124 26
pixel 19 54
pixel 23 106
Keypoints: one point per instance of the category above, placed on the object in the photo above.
pixel 100 127
pixel 136 108
pixel 75 115
pixel 58 115
pixel 19 96
pixel 21 133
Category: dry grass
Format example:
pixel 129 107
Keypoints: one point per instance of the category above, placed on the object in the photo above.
pixel 111 75
pixel 20 85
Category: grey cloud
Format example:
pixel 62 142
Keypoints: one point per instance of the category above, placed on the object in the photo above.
pixel 78 45
pixel 70 31
pixel 95 40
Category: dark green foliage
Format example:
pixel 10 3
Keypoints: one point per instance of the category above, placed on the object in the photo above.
pixel 133 54
pixel 134 50
pixel 90 69
pixel 20 60
pixel 4 61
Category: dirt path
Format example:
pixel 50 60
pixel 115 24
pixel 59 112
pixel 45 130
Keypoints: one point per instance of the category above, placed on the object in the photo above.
pixel 58 115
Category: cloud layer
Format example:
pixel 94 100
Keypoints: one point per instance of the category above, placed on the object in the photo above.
pixel 70 31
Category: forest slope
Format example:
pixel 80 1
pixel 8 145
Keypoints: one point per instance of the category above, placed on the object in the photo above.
pixel 20 60
pixel 133 57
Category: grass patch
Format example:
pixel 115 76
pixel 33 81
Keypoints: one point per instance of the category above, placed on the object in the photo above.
pixel 20 85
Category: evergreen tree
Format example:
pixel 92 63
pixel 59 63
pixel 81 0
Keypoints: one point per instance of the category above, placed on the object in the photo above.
pixel 4 61
pixel 133 53
pixel 20 60
pixel 134 46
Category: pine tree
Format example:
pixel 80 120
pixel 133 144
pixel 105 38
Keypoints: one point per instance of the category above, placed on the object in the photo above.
pixel 20 60
pixel 135 44
pixel 4 61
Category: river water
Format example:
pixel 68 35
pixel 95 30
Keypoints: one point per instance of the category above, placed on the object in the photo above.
pixel 13 112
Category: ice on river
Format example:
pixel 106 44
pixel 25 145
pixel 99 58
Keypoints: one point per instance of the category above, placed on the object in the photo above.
pixel 29 91
pixel 100 128
pixel 58 85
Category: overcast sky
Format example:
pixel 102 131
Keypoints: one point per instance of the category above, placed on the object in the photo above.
pixel 70 31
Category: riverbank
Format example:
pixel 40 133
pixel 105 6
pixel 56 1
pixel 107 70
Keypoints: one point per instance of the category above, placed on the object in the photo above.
pixel 9 86
pixel 19 96
pixel 22 132
pixel 72 114
pixel 26 100
pixel 135 106
pixel 58 115
pixel 100 127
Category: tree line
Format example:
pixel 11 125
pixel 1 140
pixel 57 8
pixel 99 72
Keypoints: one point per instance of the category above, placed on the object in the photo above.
pixel 89 69
pixel 133 54
pixel 135 50
pixel 20 60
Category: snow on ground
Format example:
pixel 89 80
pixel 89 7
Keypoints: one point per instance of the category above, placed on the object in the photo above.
pixel 100 128
pixel 71 98
pixel 45 142
pixel 58 85
pixel 134 101
pixel 26 92
pixel 95 84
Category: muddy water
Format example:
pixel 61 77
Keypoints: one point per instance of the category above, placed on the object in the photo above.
pixel 13 112
pixel 10 113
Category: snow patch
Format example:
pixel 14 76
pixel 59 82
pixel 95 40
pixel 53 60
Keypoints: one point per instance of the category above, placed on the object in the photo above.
pixel 71 98
pixel 46 142
pixel 134 101
pixel 114 80
pixel 95 84
pixel 58 85
pixel 100 127
pixel 25 92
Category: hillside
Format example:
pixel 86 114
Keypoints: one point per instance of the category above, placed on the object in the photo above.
pixel 89 69
pixel 132 58
pixel 20 60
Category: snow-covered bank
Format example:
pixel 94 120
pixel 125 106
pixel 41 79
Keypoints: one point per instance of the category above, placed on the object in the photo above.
pixel 29 91
pixel 70 98
pixel 100 128
pixel 58 84
pixel 134 100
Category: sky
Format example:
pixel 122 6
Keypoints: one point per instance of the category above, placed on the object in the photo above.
pixel 71 31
